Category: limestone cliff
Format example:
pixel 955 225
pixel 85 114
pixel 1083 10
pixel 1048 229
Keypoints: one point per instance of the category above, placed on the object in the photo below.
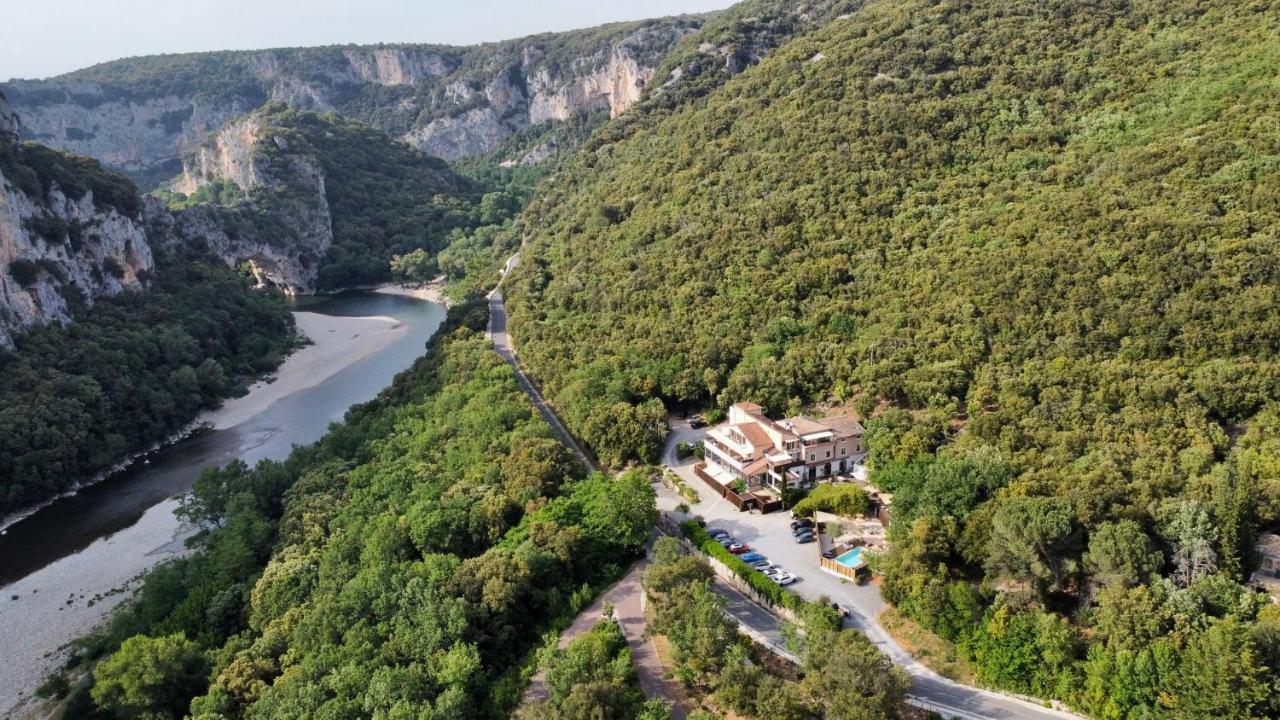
pixel 286 188
pixel 313 202
pixel 143 115
pixel 65 236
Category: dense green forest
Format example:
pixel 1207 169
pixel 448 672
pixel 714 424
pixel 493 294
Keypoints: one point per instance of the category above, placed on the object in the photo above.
pixel 129 373
pixel 404 566
pixel 1047 233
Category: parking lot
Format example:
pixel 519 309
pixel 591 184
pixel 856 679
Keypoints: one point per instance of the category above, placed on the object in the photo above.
pixel 770 535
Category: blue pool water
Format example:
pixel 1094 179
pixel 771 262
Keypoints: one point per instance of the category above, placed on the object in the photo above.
pixel 852 559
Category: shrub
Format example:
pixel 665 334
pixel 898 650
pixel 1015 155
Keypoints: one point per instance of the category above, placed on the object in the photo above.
pixel 24 272
pixel 843 500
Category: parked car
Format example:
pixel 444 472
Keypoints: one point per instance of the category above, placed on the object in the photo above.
pixel 697 421
pixel 805 538
pixel 774 570
pixel 840 609
pixel 739 548
pixel 803 530
pixel 751 557
pixel 713 532
pixel 830 553
pixel 797 524
pixel 784 579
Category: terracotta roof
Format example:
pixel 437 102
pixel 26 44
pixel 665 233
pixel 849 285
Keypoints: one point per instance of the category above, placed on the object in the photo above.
pixel 844 425
pixel 755 435
pixel 749 407
pixel 756 467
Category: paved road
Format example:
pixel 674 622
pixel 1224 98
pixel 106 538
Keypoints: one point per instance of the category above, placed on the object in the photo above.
pixel 771 535
pixel 502 345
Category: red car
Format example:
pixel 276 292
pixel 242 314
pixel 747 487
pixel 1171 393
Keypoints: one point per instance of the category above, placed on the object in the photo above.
pixel 739 548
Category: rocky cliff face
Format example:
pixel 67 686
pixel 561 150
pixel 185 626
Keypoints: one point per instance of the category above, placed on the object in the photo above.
pixel 143 114
pixel 228 155
pixel 58 251
pixel 288 187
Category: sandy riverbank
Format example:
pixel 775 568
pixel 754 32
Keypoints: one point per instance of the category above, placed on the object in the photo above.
pixel 431 292
pixel 338 342
pixel 45 611
pixel 69 598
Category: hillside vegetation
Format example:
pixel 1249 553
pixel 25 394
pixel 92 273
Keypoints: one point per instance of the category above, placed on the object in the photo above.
pixel 1048 229
pixel 404 566
pixel 129 370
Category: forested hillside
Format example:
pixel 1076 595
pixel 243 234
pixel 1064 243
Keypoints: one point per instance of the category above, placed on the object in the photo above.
pixel 416 554
pixel 1046 229
pixel 75 399
pixel 136 349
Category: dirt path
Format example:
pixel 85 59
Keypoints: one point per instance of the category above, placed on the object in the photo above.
pixel 627 598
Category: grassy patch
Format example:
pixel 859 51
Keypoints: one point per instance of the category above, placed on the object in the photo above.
pixel 937 654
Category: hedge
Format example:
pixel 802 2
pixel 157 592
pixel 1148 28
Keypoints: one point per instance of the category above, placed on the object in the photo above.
pixel 769 590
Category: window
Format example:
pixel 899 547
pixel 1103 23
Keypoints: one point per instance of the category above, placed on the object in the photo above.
pixel 812 457
pixel 844 450
pixel 828 453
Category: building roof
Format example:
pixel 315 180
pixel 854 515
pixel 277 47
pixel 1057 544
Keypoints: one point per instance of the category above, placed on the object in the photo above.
pixel 1269 545
pixel 749 408
pixel 802 426
pixel 755 435
pixel 756 467
pixel 844 425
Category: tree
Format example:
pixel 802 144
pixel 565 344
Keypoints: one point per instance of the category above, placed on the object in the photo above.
pixel 413 268
pixel 1192 533
pixel 150 678
pixel 1034 540
pixel 622 511
pixel 850 680
pixel 1120 554
pixel 1221 676
pixel 211 493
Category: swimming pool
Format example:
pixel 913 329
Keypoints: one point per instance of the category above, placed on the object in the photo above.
pixel 853 559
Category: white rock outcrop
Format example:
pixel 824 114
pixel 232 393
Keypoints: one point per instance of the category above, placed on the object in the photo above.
pixel 462 102
pixel 83 253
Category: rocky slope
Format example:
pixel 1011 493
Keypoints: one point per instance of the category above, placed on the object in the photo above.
pixel 143 114
pixel 69 234
pixel 313 202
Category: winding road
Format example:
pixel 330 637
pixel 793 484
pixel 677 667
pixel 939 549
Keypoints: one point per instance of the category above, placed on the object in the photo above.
pixel 929 690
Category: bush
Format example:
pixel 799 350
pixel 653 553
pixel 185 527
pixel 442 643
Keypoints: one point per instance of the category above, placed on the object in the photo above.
pixel 54 687
pixel 842 500
pixel 24 272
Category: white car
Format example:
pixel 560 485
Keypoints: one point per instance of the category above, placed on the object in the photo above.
pixel 783 578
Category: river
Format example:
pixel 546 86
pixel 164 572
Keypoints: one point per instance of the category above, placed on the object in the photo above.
pixel 85 550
